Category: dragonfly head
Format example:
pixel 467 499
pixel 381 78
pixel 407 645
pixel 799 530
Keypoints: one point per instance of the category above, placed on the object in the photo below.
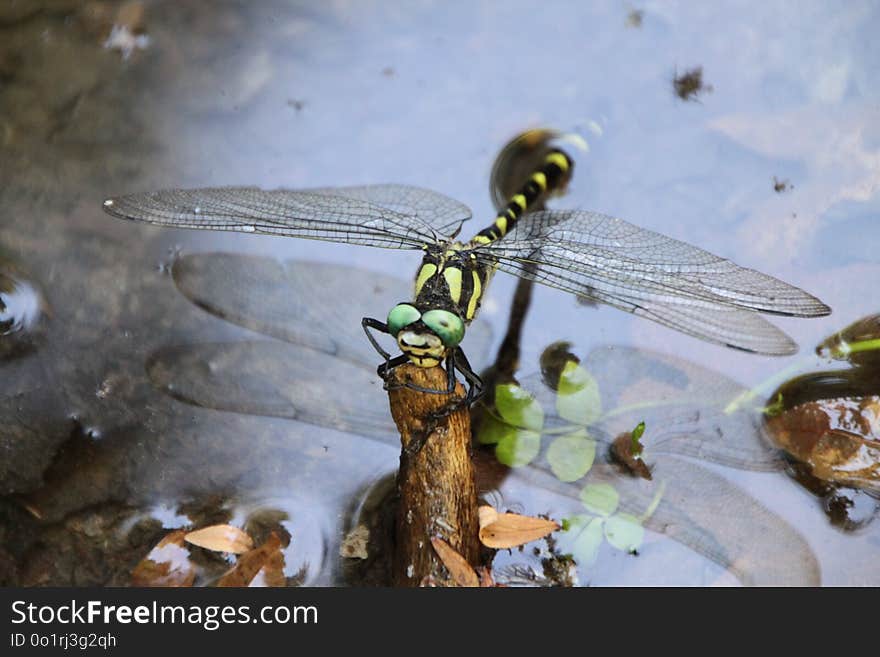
pixel 425 337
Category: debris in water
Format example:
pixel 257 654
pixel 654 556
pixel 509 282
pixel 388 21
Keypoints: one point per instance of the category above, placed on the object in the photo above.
pixel 634 18
pixel 508 530
pixel 458 567
pixel 689 84
pixel 354 545
pixel 221 538
pixel 262 566
pixel 780 186
pixel 127 33
pixel 167 564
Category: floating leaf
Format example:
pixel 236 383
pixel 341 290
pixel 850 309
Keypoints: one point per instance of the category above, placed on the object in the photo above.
pixel 492 430
pixel 601 499
pixel 625 532
pixel 512 530
pixel 458 567
pixel 571 456
pixel 518 448
pixel 578 398
pixel 167 564
pixel 221 538
pixel 518 407
pixel 262 566
pixel 584 538
pixel 487 515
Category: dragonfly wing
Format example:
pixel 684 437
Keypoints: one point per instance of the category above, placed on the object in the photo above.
pixel 654 276
pixel 388 216
pixel 681 404
pixel 276 379
pixel 443 214
pixel 703 510
pixel 305 303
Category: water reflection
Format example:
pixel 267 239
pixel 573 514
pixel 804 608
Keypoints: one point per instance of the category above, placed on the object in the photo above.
pixel 292 94
pixel 606 394
pixel 22 308
pixel 829 422
pixel 328 383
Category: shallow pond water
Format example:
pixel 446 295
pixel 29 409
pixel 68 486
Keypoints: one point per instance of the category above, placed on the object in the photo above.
pixel 110 433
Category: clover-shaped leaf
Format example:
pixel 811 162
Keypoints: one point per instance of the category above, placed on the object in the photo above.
pixel 601 499
pixel 577 398
pixel 518 447
pixel 624 531
pixel 492 430
pixel 583 538
pixel 571 456
pixel 518 407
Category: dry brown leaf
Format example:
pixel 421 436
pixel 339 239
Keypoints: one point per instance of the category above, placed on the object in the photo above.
pixel 457 565
pixel 262 566
pixel 167 564
pixel 221 538
pixel 512 530
pixel 487 515
pixel 486 579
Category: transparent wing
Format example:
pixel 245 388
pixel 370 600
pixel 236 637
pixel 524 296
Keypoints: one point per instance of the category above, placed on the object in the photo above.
pixel 648 274
pixel 681 403
pixel 388 216
pixel 703 510
pixel 318 305
pixel 276 379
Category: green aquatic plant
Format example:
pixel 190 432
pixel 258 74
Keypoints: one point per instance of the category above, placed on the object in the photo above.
pixel 584 534
pixel 635 446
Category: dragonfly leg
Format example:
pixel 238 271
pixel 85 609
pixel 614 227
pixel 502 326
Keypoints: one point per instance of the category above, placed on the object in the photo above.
pixel 385 368
pixel 369 323
pixel 475 383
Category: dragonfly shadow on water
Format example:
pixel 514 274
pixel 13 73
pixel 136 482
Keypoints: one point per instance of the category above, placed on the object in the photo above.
pixel 319 370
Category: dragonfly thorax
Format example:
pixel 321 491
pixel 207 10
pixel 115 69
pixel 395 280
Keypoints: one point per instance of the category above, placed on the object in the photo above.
pixel 453 278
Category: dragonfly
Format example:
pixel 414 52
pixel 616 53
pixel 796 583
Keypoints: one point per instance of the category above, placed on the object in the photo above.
pixel 591 255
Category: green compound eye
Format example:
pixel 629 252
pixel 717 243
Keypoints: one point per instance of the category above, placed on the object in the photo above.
pixel 446 325
pixel 400 316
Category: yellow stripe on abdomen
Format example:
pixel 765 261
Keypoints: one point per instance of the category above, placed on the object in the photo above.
pixel 424 275
pixel 453 280
pixel 552 175
pixel 474 301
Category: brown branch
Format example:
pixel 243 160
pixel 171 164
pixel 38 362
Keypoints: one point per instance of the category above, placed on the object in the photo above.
pixel 437 496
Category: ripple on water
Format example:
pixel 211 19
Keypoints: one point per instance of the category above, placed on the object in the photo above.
pixel 22 305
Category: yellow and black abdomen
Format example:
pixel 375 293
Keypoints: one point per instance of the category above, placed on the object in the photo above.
pixel 452 277
pixel 551 176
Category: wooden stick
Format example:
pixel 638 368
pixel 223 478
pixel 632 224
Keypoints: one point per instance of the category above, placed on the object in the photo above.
pixel 435 484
